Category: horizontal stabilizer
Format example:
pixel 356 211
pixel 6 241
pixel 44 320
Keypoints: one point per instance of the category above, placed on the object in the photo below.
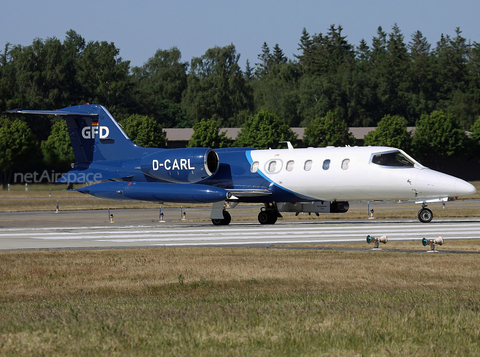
pixel 51 112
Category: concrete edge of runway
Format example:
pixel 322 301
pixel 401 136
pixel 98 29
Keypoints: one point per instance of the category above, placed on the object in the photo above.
pixel 261 246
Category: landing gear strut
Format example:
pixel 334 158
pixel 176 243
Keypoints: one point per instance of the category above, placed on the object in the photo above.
pixel 425 215
pixel 269 214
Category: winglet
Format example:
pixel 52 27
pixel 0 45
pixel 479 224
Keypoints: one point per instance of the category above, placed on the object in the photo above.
pixel 289 144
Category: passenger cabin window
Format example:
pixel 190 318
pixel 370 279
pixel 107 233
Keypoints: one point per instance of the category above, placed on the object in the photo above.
pixel 308 165
pixel 254 167
pixel 345 164
pixel 272 166
pixel 326 164
pixel 290 165
pixel 393 159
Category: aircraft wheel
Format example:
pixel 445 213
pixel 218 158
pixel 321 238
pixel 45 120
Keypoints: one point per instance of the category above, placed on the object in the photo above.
pixel 267 217
pixel 425 215
pixel 227 218
pixel 273 218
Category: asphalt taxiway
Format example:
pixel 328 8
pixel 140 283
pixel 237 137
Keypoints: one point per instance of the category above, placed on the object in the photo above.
pixel 93 229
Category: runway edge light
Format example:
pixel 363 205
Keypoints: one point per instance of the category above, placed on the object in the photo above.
pixel 383 239
pixel 432 242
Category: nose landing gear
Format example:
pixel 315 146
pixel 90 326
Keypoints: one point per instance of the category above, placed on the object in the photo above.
pixel 425 215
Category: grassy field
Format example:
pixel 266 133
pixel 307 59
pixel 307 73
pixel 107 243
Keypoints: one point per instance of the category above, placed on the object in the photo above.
pixel 239 301
pixel 236 301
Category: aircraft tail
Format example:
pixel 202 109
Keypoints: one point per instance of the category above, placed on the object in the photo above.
pixel 94 133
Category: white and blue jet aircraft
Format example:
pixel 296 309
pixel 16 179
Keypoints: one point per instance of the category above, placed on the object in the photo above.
pixel 312 180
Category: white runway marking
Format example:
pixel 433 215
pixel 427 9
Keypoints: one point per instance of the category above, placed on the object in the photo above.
pixel 235 234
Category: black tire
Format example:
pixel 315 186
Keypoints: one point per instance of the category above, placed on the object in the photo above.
pixel 264 217
pixel 227 218
pixel 217 222
pixel 425 215
pixel 273 218
pixel 267 217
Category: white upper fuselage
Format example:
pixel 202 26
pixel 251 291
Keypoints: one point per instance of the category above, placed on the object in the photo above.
pixel 355 173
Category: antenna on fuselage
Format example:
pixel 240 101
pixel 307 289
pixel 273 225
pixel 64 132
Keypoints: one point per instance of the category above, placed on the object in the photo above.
pixel 289 144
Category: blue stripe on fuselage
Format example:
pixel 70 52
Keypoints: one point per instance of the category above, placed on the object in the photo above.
pixel 276 188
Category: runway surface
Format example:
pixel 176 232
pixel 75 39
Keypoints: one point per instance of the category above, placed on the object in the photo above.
pixel 161 234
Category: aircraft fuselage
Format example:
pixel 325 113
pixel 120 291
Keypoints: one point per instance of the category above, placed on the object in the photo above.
pixel 313 180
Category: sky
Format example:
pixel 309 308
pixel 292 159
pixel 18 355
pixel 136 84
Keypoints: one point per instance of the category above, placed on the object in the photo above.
pixel 139 28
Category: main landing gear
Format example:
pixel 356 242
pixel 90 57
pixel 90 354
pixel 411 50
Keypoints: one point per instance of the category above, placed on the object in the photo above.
pixel 425 215
pixel 269 214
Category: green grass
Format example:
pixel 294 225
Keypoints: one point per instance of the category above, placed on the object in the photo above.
pixel 237 302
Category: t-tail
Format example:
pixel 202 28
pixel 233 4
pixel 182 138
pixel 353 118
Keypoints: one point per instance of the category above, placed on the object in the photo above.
pixel 96 137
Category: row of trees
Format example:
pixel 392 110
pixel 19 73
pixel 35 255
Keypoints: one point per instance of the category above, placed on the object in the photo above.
pixel 438 136
pixel 360 83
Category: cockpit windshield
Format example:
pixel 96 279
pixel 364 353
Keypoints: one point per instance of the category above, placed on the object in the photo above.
pixel 393 159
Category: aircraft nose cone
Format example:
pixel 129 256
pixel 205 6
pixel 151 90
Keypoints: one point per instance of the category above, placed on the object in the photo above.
pixel 432 183
pixel 463 188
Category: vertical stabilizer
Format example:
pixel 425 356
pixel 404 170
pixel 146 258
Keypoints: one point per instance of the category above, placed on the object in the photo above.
pixel 95 134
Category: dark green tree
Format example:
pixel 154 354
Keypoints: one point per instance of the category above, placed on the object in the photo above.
pixel 264 67
pixel 144 131
pixel 17 145
pixel 363 54
pixel 475 135
pixel 438 136
pixel 57 149
pixel 474 76
pixel 40 73
pixel 159 84
pixel 248 71
pixel 329 130
pixel 104 76
pixel 277 91
pixel 451 56
pixel 217 86
pixel 264 130
pixel 331 53
pixel 421 77
pixel 206 134
pixel 277 56
pixel 305 59
pixel 391 131
pixel 390 62
pixel 8 90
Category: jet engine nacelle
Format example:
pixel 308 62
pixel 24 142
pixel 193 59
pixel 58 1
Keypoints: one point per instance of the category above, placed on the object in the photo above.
pixel 189 165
